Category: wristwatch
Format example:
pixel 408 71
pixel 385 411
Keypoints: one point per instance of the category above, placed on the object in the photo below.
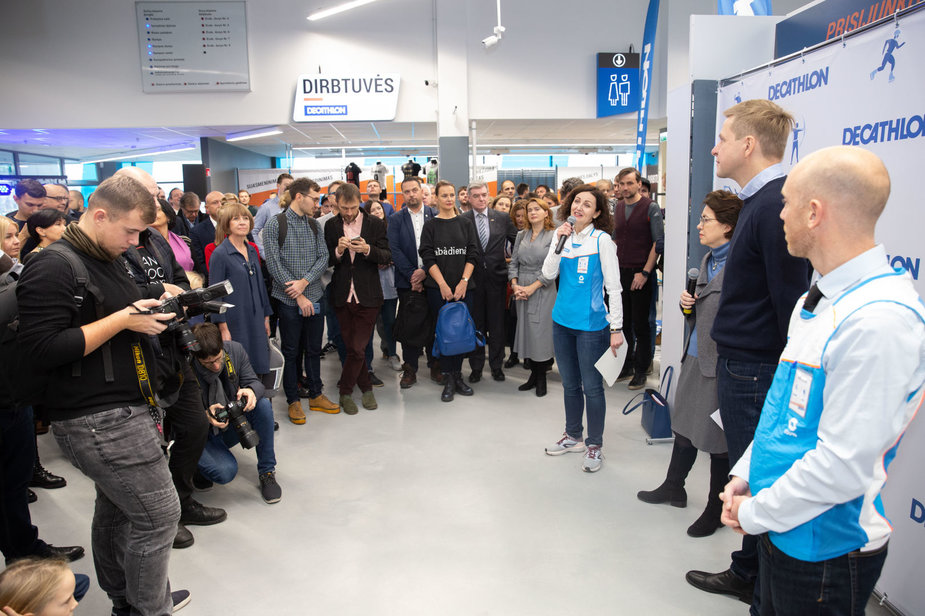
pixel 644 273
pixel 466 279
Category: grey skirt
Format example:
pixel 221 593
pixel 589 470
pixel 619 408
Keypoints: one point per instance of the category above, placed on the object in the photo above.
pixel 695 400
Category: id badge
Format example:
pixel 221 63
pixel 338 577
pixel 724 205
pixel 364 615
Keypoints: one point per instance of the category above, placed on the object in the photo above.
pixel 799 395
pixel 583 265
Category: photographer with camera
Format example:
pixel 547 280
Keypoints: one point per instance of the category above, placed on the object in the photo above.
pixel 87 328
pixel 233 395
pixel 155 270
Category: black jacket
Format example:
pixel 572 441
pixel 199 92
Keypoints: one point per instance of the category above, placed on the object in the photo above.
pixel 363 270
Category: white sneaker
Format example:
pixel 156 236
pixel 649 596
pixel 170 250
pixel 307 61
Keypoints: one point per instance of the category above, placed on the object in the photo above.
pixel 565 445
pixel 593 459
pixel 395 363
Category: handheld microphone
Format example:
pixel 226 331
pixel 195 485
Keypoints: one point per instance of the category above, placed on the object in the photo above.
pixel 692 275
pixel 570 220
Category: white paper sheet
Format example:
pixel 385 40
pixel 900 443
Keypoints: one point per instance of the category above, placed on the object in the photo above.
pixel 610 366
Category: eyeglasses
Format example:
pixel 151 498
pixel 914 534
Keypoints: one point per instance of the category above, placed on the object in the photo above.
pixel 59 199
pixel 704 219
pixel 314 198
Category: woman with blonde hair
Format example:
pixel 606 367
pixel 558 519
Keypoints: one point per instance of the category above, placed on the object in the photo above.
pixel 238 261
pixel 9 238
pixel 534 295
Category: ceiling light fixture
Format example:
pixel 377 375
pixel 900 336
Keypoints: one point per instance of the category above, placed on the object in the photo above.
pixel 252 134
pixel 397 146
pixel 155 152
pixel 340 8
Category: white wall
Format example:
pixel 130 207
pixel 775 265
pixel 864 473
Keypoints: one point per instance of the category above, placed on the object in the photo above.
pixel 75 64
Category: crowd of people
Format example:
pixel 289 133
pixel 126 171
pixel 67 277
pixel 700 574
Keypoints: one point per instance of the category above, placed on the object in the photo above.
pixel 558 277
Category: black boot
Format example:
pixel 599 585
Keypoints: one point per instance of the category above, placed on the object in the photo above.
pixel 540 379
pixel 531 381
pixel 672 490
pixel 512 360
pixel 449 387
pixel 460 384
pixel 708 522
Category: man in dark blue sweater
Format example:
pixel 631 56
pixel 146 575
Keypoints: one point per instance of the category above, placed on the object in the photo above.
pixel 761 285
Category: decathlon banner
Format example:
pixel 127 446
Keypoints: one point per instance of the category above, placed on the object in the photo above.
pixel 648 48
pixel 867 91
pixel 743 7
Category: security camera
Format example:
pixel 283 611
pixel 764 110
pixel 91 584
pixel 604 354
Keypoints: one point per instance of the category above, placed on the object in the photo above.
pixel 430 82
pixel 490 41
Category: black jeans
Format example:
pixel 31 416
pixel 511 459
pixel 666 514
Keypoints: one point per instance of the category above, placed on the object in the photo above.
pixel 18 537
pixel 186 423
pixel 636 330
pixel 487 307
pixel 411 354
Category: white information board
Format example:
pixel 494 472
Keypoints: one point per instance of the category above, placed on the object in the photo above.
pixel 193 46
pixel 346 97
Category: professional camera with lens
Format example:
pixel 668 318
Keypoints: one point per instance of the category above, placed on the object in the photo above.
pixel 197 301
pixel 233 413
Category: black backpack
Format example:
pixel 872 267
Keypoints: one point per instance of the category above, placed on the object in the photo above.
pixel 284 227
pixel 21 382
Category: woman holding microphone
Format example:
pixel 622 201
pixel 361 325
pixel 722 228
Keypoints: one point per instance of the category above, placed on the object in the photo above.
pixel 582 328
pixel 696 398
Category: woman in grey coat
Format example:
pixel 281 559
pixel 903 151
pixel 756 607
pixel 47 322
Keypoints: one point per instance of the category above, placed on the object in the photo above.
pixel 696 397
pixel 534 295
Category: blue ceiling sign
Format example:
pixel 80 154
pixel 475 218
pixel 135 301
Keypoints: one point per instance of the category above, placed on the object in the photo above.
pixel 618 84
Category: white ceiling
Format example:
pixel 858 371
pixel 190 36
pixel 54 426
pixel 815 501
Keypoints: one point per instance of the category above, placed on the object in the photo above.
pixel 385 138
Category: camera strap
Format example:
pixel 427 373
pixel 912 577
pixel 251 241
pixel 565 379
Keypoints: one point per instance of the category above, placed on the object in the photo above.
pixel 144 377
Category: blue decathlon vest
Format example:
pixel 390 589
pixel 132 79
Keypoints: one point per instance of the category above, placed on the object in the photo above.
pixel 789 422
pixel 580 300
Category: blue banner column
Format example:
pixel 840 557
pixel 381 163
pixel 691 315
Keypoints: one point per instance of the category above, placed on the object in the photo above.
pixel 648 49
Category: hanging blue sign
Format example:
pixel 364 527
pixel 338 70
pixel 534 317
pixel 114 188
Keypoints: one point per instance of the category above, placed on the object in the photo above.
pixel 618 83
pixel 648 48
pixel 743 7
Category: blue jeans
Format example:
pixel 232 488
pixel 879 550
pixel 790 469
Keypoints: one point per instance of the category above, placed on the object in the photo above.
pixel 838 587
pixel 576 353
pixel 137 509
pixel 218 464
pixel 295 331
pixel 742 387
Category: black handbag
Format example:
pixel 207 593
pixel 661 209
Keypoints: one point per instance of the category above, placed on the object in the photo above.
pixel 656 414
pixel 413 323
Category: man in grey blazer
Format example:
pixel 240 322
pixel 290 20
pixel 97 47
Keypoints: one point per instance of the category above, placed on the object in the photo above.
pixel 495 231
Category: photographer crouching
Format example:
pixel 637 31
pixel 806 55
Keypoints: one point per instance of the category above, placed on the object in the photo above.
pixel 234 396
pixel 89 332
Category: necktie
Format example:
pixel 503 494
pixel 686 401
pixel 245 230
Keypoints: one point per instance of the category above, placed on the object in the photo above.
pixel 483 229
pixel 812 298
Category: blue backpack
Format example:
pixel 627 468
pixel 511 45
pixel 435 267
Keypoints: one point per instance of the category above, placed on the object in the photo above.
pixel 456 333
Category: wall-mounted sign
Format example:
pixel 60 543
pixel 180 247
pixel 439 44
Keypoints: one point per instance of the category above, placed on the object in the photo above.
pixel 345 97
pixel 618 85
pixel 193 46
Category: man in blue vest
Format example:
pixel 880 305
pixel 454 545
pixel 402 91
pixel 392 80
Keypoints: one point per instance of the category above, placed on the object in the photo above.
pixel 809 483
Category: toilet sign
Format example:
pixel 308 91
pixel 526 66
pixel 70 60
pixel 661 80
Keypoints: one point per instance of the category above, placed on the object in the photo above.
pixel 618 86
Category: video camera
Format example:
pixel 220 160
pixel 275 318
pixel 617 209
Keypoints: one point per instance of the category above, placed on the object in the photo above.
pixel 195 302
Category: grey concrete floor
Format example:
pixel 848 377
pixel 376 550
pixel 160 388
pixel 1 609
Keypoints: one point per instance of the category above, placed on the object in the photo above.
pixel 424 507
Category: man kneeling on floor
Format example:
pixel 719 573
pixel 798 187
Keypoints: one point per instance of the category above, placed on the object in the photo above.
pixel 225 375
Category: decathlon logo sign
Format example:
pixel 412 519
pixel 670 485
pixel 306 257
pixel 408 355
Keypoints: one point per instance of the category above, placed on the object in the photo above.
pixel 918 512
pixel 352 97
pixel 907 263
pixel 797 85
pixel 880 131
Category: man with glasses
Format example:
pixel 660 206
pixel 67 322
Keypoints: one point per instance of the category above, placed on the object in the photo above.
pixel 225 374
pixel 56 197
pixel 296 261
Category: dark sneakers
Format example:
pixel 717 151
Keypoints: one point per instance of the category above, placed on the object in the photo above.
pixel 195 513
pixel 638 382
pixel 269 489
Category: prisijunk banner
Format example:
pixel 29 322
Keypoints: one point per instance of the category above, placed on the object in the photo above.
pixel 869 91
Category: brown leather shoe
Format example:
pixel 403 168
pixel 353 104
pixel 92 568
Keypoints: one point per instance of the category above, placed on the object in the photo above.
pixel 408 377
pixel 435 375
pixel 322 404
pixel 296 415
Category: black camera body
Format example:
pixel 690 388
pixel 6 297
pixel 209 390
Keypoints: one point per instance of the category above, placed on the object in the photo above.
pixel 195 302
pixel 233 413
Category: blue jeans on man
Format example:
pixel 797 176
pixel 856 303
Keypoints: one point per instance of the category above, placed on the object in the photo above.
pixel 576 353
pixel 742 387
pixel 295 331
pixel 137 508
pixel 218 464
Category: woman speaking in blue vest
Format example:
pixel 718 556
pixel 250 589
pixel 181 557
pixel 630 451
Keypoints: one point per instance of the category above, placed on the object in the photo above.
pixel 582 328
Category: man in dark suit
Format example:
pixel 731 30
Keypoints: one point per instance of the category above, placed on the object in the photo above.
pixel 357 245
pixel 203 233
pixel 495 230
pixel 405 239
